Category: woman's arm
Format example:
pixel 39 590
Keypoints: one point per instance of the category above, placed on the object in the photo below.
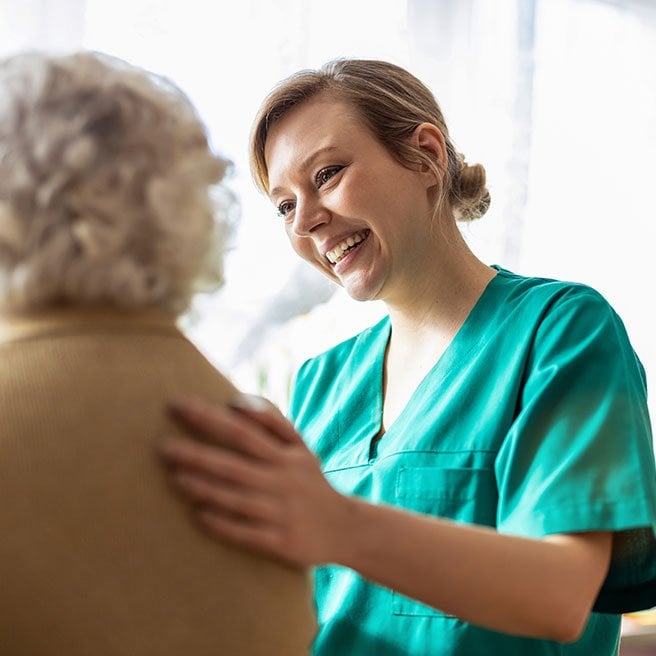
pixel 537 588
pixel 265 491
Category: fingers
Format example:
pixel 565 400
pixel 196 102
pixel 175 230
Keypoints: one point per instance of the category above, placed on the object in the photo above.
pixel 254 537
pixel 222 485
pixel 246 473
pixel 227 427
pixel 246 504
pixel 268 415
pixel 216 463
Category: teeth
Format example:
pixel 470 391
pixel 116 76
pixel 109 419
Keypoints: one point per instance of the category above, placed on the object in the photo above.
pixel 337 253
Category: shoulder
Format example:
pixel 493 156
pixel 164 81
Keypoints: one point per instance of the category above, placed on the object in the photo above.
pixel 544 318
pixel 545 288
pixel 569 322
pixel 339 373
pixel 336 356
pixel 548 299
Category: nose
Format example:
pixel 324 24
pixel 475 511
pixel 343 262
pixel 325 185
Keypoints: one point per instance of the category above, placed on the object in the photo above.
pixel 309 215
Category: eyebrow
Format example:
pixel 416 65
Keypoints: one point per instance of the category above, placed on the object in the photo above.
pixel 305 164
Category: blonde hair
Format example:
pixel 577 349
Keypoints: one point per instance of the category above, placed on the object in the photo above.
pixel 107 181
pixel 392 103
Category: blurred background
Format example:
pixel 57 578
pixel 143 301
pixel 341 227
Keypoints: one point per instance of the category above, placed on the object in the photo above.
pixel 557 98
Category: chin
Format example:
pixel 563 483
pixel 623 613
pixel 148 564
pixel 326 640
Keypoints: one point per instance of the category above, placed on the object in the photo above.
pixel 359 294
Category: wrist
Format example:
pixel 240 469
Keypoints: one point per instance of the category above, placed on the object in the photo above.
pixel 352 531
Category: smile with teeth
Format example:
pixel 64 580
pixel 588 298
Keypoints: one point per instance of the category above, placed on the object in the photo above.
pixel 344 247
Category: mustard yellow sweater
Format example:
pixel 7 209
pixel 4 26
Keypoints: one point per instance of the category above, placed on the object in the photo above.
pixel 97 556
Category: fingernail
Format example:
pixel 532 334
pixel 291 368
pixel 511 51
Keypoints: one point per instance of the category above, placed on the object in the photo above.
pixel 249 402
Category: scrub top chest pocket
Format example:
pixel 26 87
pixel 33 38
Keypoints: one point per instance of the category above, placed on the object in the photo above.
pixel 459 494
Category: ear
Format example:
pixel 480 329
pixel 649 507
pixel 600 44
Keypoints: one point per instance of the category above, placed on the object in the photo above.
pixel 429 138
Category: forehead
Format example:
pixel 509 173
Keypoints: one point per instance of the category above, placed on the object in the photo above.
pixel 313 126
pixel 318 114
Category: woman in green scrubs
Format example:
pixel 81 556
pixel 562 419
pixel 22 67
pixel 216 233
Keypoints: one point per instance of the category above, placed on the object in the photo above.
pixel 476 471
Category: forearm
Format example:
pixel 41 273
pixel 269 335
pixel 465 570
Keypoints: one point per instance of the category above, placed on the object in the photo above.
pixel 276 501
pixel 539 588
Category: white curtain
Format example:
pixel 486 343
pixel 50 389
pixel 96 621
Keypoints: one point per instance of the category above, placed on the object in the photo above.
pixel 556 98
pixel 47 24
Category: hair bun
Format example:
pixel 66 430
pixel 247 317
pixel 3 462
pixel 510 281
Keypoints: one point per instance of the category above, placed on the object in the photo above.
pixel 470 197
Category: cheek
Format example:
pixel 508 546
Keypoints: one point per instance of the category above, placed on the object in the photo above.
pixel 366 198
pixel 353 198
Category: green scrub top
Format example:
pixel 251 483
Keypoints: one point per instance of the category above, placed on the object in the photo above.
pixel 534 421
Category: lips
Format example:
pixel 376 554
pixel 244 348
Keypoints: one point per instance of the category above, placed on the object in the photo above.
pixel 340 251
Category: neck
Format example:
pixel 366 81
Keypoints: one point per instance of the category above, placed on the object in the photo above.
pixel 441 291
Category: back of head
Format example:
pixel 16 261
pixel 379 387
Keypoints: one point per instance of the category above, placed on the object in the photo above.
pixel 105 186
pixel 392 103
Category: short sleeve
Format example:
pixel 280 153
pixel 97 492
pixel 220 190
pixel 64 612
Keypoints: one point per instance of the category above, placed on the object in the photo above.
pixel 579 456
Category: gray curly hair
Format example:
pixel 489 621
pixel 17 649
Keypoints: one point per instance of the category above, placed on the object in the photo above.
pixel 107 186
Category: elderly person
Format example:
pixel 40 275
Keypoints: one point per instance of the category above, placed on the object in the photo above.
pixel 107 229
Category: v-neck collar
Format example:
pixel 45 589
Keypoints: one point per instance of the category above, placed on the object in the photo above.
pixel 455 354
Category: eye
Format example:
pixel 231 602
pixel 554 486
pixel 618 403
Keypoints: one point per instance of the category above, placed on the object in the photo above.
pixel 326 174
pixel 284 208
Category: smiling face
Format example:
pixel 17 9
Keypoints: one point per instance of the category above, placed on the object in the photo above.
pixel 349 207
